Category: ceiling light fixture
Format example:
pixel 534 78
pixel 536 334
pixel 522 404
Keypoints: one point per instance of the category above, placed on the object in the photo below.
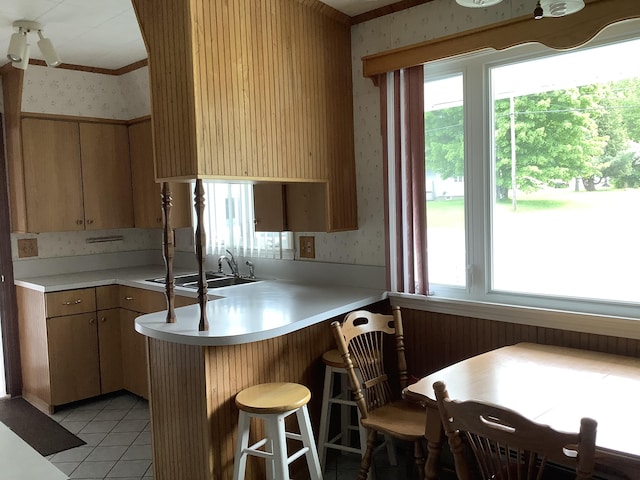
pixel 19 49
pixel 557 8
pixel 477 3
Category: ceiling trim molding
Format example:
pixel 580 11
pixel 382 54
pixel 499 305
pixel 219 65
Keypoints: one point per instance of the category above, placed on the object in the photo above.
pixel 386 10
pixel 559 33
pixel 81 68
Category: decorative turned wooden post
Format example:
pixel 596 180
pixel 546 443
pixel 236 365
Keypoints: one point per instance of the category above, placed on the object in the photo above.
pixel 201 245
pixel 168 248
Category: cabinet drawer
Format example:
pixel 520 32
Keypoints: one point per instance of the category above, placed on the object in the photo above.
pixel 70 302
pixel 141 300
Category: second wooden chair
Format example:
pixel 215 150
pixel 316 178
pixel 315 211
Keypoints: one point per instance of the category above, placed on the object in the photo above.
pixel 492 442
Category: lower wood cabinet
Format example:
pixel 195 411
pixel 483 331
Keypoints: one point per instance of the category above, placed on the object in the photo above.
pixel 135 302
pixel 74 364
pixel 78 344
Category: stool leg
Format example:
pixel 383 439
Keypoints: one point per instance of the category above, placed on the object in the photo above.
pixel 269 434
pixel 279 443
pixel 240 464
pixel 345 411
pixel 307 440
pixel 325 416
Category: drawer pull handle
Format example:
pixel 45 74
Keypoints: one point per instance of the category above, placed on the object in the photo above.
pixel 72 302
pixel 128 298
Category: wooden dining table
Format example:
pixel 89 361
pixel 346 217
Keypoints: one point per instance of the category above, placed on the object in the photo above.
pixel 552 385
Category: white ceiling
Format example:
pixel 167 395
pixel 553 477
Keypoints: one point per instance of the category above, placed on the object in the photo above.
pixel 101 33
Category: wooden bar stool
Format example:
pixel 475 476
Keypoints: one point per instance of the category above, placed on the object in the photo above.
pixel 273 402
pixel 342 441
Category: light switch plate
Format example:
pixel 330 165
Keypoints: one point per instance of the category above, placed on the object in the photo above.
pixel 307 247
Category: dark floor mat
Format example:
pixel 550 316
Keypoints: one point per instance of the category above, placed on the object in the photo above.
pixel 41 432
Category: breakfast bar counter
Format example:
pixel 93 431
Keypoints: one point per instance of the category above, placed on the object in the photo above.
pixel 257 311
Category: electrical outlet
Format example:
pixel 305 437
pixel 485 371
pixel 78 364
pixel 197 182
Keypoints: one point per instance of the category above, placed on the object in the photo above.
pixel 27 247
pixel 307 247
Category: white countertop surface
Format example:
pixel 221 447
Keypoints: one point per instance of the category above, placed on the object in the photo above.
pixel 238 314
pixel 257 311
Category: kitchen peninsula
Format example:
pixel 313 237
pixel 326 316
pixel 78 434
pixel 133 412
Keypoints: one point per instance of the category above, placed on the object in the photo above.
pixel 268 330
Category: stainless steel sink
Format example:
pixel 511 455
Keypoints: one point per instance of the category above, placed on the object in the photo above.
pixel 214 280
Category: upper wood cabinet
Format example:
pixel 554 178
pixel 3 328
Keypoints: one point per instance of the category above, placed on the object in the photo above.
pixel 106 175
pixel 250 90
pixel 147 200
pixel 76 176
pixel 296 207
pixel 52 176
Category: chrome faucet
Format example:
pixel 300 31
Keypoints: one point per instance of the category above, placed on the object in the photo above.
pixel 231 261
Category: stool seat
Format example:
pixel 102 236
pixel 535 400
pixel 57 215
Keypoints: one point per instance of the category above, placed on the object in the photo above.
pixel 268 398
pixel 333 358
pixel 272 403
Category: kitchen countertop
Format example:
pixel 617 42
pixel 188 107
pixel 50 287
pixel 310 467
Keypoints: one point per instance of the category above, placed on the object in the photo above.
pixel 237 314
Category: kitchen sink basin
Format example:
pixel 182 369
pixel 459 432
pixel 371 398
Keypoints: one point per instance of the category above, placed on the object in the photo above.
pixel 214 280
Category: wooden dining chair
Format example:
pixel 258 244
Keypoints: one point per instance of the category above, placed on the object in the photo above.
pixel 493 442
pixel 360 340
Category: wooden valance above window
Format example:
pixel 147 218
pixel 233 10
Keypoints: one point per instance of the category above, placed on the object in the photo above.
pixel 559 33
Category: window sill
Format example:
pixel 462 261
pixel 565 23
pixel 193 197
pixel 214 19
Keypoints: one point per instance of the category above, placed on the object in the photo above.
pixel 625 327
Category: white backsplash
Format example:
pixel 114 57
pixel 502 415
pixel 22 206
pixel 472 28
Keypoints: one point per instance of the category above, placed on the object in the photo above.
pixel 67 92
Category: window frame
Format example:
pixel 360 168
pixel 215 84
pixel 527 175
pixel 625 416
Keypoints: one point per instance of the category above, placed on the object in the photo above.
pixel 478 299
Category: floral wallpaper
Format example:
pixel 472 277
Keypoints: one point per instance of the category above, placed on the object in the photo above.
pixel 67 92
pixel 84 94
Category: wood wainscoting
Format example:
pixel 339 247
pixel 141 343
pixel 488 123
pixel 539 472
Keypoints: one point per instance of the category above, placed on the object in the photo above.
pixel 435 340
pixel 194 417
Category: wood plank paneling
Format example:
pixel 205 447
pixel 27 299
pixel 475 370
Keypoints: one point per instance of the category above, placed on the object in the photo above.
pixel 248 91
pixel 193 414
pixel 251 90
pixel 435 340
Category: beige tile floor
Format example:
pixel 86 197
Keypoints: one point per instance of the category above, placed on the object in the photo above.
pixel 116 429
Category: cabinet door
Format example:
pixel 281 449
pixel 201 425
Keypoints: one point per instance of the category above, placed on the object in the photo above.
pixel 109 341
pixel 147 200
pixel 73 357
pixel 297 207
pixel 134 355
pixel 269 207
pixel 52 175
pixel 106 176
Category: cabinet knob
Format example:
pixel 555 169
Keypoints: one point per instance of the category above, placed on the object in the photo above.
pixel 89 221
pixel 92 321
pixel 72 302
pixel 128 298
pixel 103 319
pixel 79 222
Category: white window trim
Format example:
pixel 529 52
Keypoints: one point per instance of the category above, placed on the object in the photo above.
pixel 477 300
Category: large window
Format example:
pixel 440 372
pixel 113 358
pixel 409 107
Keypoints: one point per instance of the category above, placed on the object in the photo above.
pixel 533 176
